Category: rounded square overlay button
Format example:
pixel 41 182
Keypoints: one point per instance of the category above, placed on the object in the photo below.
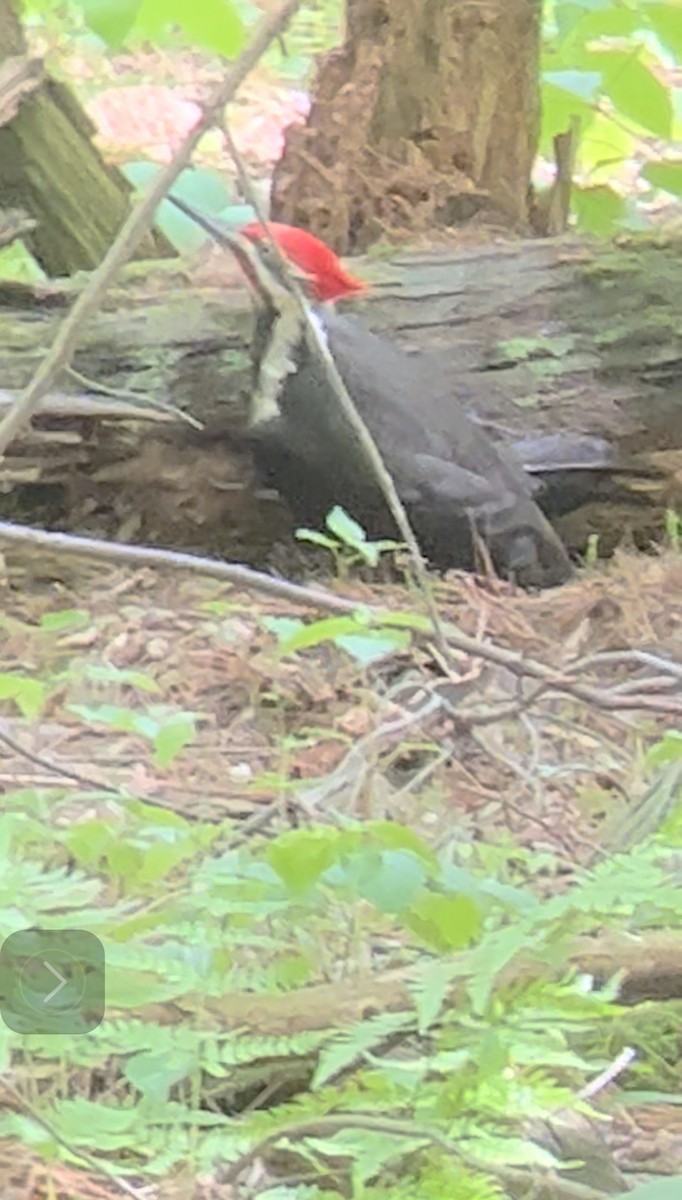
pixel 52 981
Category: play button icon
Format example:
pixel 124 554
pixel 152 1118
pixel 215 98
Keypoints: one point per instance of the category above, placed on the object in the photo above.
pixel 52 981
pixel 61 983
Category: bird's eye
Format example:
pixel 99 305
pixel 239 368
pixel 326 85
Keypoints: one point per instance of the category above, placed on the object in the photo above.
pixel 272 261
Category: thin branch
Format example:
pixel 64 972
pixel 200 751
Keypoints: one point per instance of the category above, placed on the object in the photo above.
pixel 137 225
pixel 115 553
pixel 347 404
pixel 99 1167
pixel 54 768
pixel 553 680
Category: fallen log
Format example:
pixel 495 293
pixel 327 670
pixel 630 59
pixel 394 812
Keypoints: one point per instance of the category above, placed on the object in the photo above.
pixel 543 340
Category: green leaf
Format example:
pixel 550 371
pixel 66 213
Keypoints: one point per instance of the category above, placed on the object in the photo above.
pixel 570 14
pixel 155 1073
pixel 108 673
pixel 68 618
pixel 215 24
pixel 301 857
pixel 606 21
pixel 345 528
pixel 666 21
pixel 599 209
pixel 392 835
pixel 404 620
pixel 18 264
pixel 317 632
pixel 317 539
pixel 559 107
pixel 584 85
pixel 28 694
pixel 665 175
pixel 112 20
pixel 283 627
pixel 179 731
pixel 112 715
pixel 373 644
pixel 88 841
pixel 445 922
pixel 198 186
pixel 635 91
pixel 667 750
pixel 389 879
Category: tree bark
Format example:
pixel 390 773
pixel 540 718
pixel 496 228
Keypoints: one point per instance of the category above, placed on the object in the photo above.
pixel 428 114
pixel 50 167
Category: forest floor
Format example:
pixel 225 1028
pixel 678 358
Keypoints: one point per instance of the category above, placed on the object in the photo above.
pixel 316 728
pixel 173 690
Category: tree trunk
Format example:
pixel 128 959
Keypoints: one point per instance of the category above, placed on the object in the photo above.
pixel 50 167
pixel 427 115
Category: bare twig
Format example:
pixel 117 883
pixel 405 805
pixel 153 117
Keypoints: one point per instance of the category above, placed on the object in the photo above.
pixel 54 768
pixel 98 1166
pixel 152 403
pixel 112 553
pixel 136 226
pixel 346 403
pixel 551 679
pixel 624 1060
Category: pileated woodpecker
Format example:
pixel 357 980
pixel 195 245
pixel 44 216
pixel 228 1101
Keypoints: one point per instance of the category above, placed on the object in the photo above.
pixel 456 484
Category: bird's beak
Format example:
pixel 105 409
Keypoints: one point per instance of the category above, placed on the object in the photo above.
pixel 252 262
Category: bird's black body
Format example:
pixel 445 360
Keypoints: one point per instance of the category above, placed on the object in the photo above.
pixel 451 477
pixel 454 481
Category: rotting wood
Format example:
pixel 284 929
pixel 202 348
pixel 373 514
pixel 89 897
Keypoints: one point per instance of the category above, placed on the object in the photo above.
pixel 538 337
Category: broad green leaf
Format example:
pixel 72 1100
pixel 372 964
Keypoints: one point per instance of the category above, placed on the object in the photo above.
pixel 665 175
pixel 602 146
pixel 155 1073
pixel 203 188
pixel 666 21
pixel 28 694
pixel 68 618
pixel 607 22
pixel 214 24
pixel 345 528
pixel 444 922
pixel 404 620
pixel 283 627
pixel 399 837
pixel 669 749
pixel 178 732
pixel 319 631
pixel 373 644
pixel 18 264
pixel 301 857
pixel 635 91
pixel 584 85
pixel 559 108
pixel 389 879
pixel 88 841
pixel 112 20
pixel 599 209
pixel 159 861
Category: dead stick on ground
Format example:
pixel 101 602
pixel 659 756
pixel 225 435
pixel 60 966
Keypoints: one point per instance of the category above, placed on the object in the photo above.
pixel 136 226
pixel 563 682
